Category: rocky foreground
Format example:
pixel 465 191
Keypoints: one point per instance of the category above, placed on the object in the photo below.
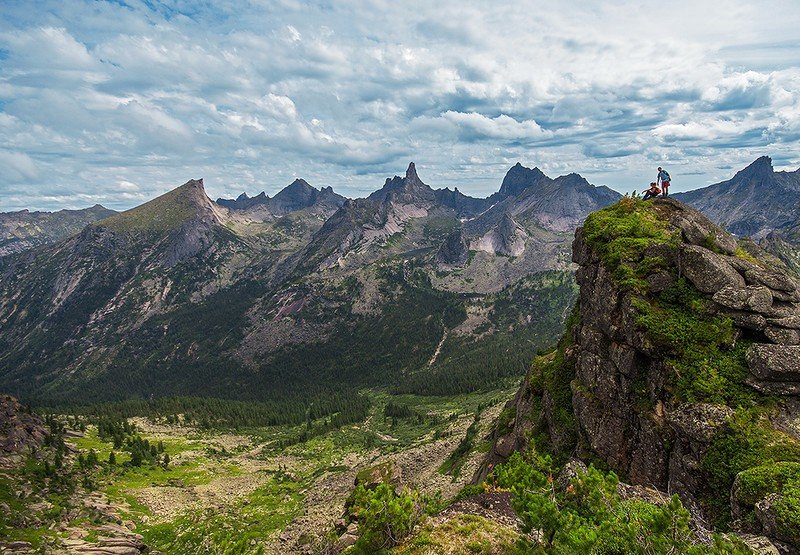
pixel 680 370
pixel 29 450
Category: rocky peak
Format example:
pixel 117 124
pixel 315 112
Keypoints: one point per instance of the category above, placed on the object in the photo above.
pixel 299 195
pixel 519 178
pixel 573 181
pixel 411 175
pixel 405 190
pixel 761 167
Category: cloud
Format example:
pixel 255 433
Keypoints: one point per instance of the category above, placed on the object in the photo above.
pixel 95 95
pixel 473 126
pixel 18 167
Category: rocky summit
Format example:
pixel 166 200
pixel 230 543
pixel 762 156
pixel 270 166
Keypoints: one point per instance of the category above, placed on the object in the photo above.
pixel 680 370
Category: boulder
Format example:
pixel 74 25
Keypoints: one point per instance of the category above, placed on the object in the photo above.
pixel 660 281
pixel 755 274
pixel 384 473
pixel 756 298
pixel 768 519
pixel 345 541
pixel 760 545
pixel 775 363
pixel 698 421
pixel 709 272
pixel 747 320
pixel 791 322
pixel 782 336
pixel 698 230
pixel 571 470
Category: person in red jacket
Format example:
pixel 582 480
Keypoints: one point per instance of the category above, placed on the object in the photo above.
pixel 652 192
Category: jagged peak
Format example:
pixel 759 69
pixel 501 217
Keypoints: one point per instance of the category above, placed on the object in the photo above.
pixel 760 166
pixel 299 183
pixel 411 185
pixel 519 178
pixel 411 172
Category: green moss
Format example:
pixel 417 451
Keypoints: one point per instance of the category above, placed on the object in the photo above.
pixel 621 234
pixel 758 482
pixel 747 442
pixel 782 478
pixel 709 366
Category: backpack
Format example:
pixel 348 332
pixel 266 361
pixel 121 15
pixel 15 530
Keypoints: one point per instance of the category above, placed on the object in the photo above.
pixel 665 175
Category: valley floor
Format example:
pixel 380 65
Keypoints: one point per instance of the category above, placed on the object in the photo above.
pixel 242 492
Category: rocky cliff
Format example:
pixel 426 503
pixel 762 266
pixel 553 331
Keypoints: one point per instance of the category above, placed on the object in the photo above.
pixel 680 370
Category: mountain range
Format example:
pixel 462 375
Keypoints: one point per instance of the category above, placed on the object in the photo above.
pixel 301 294
pixel 759 203
pixel 309 293
pixel 23 230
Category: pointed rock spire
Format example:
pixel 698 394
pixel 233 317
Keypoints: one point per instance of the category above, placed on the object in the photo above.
pixel 411 173
pixel 760 167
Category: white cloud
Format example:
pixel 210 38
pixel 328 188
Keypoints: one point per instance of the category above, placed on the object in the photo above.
pixel 94 95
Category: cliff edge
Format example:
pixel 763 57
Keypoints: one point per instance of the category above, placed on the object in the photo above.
pixel 679 370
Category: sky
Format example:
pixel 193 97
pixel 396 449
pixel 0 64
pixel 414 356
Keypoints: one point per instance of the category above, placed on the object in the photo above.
pixel 115 102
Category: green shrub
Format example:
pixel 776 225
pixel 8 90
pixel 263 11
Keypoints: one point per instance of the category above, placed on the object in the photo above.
pixel 384 516
pixel 748 441
pixel 589 517
pixel 754 484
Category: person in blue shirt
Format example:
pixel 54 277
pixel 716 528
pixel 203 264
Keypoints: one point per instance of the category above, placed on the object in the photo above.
pixel 663 180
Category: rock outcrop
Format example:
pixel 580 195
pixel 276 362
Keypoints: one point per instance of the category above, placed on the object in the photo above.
pixel 679 335
pixel 21 432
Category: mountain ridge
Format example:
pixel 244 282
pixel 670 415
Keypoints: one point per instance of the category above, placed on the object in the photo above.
pixel 182 295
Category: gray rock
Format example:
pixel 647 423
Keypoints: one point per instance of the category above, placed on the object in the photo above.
pixel 760 275
pixel 571 470
pixel 791 322
pixel 766 517
pixel 709 272
pixel 747 320
pixel 699 230
pixel 782 336
pixel 660 281
pixel 581 253
pixel 776 363
pixel 786 297
pixel 756 298
pixel 788 389
pixel 345 541
pixel 761 545
pixel 698 421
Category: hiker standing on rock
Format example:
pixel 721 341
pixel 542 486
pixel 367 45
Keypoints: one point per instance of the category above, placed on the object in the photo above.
pixel 663 180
